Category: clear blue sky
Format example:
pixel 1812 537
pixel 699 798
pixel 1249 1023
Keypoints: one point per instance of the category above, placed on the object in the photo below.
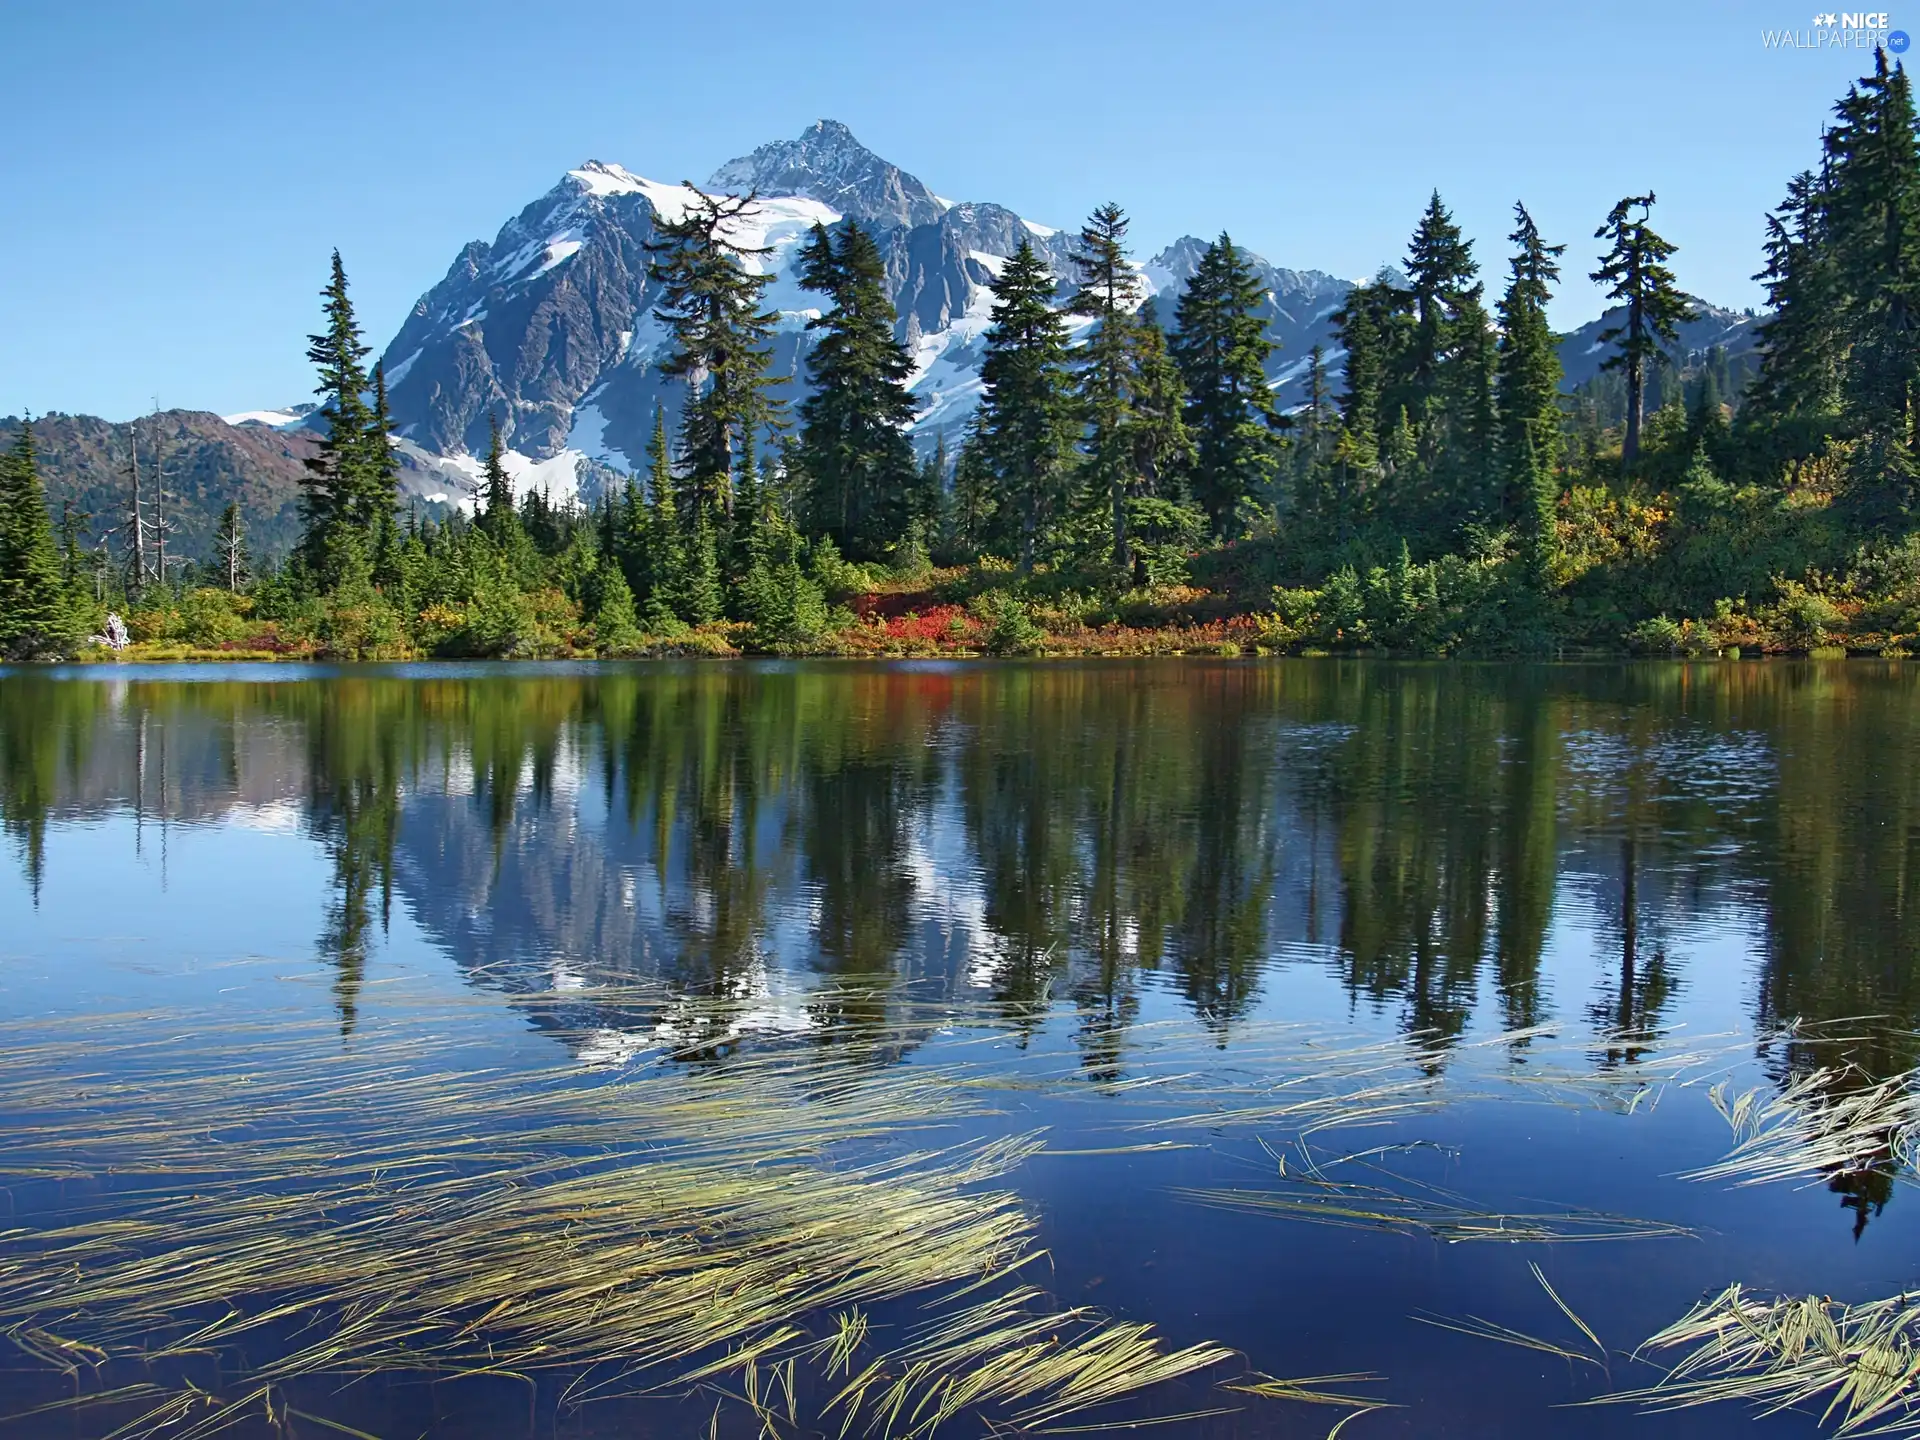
pixel 176 173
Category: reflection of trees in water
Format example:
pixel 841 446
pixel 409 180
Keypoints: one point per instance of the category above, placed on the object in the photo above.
pixel 1064 831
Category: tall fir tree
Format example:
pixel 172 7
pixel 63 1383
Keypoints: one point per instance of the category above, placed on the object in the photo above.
pixel 972 517
pixel 710 303
pixel 337 480
pixel 1872 221
pixel 664 554
pixel 1528 452
pixel 1108 292
pixel 1222 348
pixel 853 451
pixel 1440 277
pixel 1636 276
pixel 1028 413
pixel 38 617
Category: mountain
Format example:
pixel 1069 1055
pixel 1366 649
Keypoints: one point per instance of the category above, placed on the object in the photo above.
pixel 551 327
pixel 208 461
pixel 1581 351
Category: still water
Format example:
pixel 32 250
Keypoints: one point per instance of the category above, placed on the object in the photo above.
pixel 1544 908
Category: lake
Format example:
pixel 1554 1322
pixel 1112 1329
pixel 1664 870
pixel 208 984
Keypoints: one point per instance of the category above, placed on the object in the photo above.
pixel 738 1049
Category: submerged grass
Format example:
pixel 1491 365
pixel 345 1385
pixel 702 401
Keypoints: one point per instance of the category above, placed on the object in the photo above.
pixel 297 1210
pixel 1305 1190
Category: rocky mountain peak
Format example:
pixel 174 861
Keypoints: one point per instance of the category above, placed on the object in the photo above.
pixel 826 163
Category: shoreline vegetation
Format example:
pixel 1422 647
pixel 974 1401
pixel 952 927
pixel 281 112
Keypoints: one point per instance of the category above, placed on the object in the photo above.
pixel 1126 486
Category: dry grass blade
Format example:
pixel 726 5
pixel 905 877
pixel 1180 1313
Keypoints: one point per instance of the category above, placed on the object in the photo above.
pixel 1861 1363
pixel 1829 1121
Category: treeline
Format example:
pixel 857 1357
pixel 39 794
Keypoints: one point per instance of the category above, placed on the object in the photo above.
pixel 1447 497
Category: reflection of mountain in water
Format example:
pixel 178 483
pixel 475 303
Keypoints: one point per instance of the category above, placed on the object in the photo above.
pixel 1035 834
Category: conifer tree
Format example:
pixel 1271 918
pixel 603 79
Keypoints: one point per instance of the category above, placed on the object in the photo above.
pixel 1222 347
pixel 1872 222
pixel 337 479
pixel 1529 379
pixel 1108 293
pixel 498 519
pixel 854 453
pixel 378 494
pixel 1636 275
pixel 971 517
pixel 37 614
pixel 1027 415
pixel 1440 274
pixel 1156 427
pixel 710 304
pixel 1802 341
pixel 665 554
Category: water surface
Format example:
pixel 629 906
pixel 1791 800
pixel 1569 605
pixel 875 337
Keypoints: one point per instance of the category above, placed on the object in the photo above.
pixel 1086 875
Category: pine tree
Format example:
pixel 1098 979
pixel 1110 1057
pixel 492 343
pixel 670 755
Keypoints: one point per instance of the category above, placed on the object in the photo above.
pixel 1108 293
pixel 230 547
pixel 1634 271
pixel 337 479
pixel 854 452
pixel 1222 347
pixel 37 615
pixel 711 305
pixel 1027 427
pixel 1529 376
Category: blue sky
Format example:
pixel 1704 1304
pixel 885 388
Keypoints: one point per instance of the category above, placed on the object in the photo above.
pixel 177 172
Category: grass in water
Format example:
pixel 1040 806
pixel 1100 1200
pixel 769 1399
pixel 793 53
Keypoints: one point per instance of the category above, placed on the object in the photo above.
pixel 297 1209
pixel 1860 1364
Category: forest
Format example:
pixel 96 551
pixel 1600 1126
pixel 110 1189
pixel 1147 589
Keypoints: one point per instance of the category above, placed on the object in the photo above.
pixel 1128 483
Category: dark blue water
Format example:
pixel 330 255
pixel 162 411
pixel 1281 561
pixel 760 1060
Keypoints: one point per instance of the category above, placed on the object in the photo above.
pixel 1075 877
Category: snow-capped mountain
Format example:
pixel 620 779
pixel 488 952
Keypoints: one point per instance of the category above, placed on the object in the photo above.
pixel 551 326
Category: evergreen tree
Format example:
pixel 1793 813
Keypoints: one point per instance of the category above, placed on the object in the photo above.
pixel 664 571
pixel 1634 271
pixel 1795 399
pixel 1872 220
pixel 1372 327
pixel 853 450
pixel 498 520
pixel 1440 273
pixel 1156 425
pixel 1108 294
pixel 971 517
pixel 1529 374
pixel 1222 347
pixel 338 479
pixel 710 304
pixel 1027 426
pixel 38 619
